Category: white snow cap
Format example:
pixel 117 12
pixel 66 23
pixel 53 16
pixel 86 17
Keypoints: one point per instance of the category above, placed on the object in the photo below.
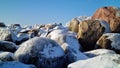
pixel 102 61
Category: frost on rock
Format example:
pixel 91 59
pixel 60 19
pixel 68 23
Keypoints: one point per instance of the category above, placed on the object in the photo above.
pixel 6 56
pixel 102 61
pixel 8 46
pixel 14 64
pixel 98 52
pixel 41 52
pixel 69 43
pixel 109 41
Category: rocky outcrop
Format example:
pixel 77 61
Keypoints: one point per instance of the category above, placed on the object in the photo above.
pixel 14 64
pixel 110 15
pixel 42 52
pixel 6 56
pixel 2 24
pixel 102 61
pixel 89 32
pixel 8 46
pixel 109 41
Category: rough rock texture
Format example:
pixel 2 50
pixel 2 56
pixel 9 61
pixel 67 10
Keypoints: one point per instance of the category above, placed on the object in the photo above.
pixel 69 43
pixel 8 46
pixel 109 41
pixel 74 23
pixel 6 56
pixel 14 64
pixel 42 52
pixel 102 61
pixel 111 15
pixel 7 35
pixel 89 32
pixel 98 52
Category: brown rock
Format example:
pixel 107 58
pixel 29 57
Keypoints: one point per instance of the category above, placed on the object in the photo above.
pixel 89 32
pixel 109 41
pixel 110 15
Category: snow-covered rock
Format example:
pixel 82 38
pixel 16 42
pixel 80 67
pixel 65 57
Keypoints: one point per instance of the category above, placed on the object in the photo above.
pixel 14 64
pixel 7 35
pixel 102 61
pixel 98 52
pixel 109 41
pixel 42 52
pixel 6 56
pixel 8 46
pixel 69 43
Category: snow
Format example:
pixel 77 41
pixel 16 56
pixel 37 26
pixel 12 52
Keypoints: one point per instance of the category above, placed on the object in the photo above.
pixel 115 38
pixel 82 18
pixel 106 25
pixel 14 64
pixel 102 61
pixel 98 52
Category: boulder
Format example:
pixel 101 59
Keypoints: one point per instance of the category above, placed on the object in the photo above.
pixel 42 52
pixel 73 25
pixel 2 24
pixel 89 32
pixel 69 43
pixel 109 41
pixel 102 61
pixel 8 46
pixel 14 64
pixel 6 56
pixel 7 35
pixel 98 52
pixel 111 15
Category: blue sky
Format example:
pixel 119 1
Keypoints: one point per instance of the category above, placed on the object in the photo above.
pixel 29 12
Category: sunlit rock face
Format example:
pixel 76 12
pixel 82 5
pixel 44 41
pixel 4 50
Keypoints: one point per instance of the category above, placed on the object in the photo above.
pixel 109 41
pixel 111 15
pixel 41 52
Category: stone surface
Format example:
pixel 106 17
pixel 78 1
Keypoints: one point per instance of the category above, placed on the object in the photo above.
pixel 42 52
pixel 109 41
pixel 2 24
pixel 89 32
pixel 111 15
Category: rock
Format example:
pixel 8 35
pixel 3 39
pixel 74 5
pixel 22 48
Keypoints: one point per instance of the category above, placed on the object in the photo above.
pixel 7 35
pixel 8 46
pixel 6 56
pixel 42 52
pixel 2 24
pixel 14 64
pixel 111 15
pixel 98 52
pixel 89 32
pixel 74 23
pixel 109 41
pixel 69 43
pixel 102 61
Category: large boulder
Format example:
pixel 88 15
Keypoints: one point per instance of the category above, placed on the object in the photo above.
pixel 109 41
pixel 42 52
pixel 69 43
pixel 98 52
pixel 73 25
pixel 14 64
pixel 6 56
pixel 102 61
pixel 7 35
pixel 8 46
pixel 110 15
pixel 89 32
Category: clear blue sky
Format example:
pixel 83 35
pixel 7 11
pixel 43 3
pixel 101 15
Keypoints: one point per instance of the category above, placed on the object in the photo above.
pixel 29 12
